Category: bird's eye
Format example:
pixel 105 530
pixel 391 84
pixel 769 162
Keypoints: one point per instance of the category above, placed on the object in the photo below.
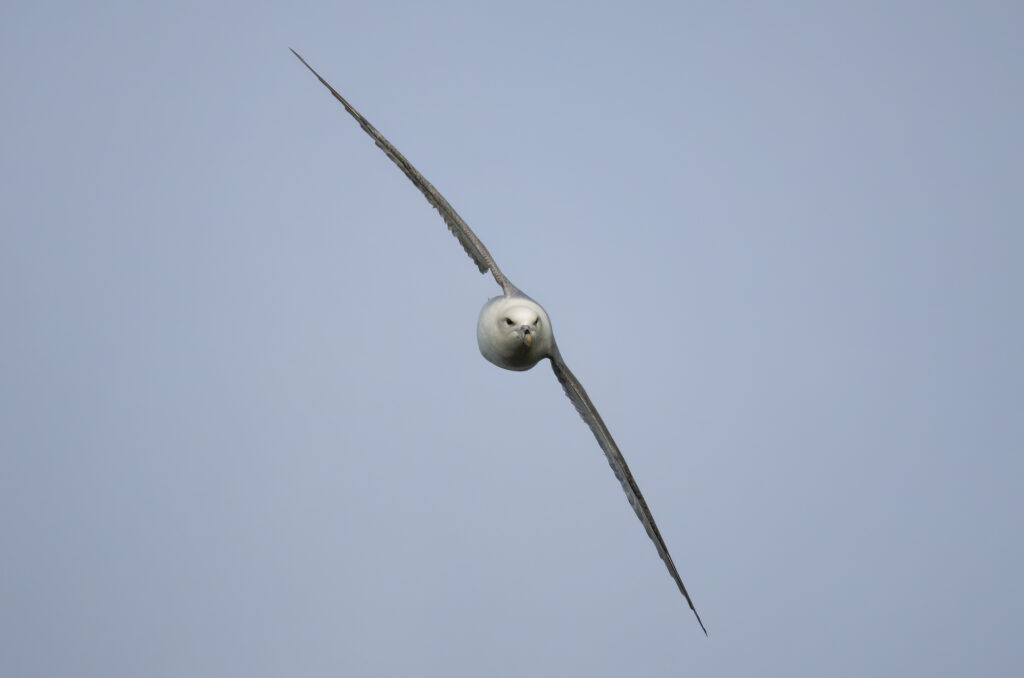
pixel 508 321
pixel 536 321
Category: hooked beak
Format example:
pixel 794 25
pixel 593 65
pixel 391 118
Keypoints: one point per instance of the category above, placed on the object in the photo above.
pixel 527 337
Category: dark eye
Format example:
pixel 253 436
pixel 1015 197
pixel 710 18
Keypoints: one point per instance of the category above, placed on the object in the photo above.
pixel 536 321
pixel 508 321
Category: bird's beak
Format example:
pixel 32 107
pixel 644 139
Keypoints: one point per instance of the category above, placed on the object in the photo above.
pixel 527 338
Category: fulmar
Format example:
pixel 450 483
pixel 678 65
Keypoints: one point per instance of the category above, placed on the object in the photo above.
pixel 514 332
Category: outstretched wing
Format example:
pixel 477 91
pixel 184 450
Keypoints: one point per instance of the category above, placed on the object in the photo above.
pixel 579 398
pixel 459 228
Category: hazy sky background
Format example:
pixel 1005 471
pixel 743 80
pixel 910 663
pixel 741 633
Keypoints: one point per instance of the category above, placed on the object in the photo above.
pixel 245 429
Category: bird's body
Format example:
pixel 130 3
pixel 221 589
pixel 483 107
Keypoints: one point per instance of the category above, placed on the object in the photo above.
pixel 514 332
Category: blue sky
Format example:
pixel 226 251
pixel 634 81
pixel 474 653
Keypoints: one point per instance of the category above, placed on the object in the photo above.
pixel 245 428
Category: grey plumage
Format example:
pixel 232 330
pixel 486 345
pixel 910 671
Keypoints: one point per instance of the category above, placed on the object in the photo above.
pixel 498 342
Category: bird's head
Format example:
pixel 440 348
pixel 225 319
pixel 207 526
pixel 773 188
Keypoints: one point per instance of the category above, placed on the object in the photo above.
pixel 520 324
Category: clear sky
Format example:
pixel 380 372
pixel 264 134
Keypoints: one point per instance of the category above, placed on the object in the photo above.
pixel 245 429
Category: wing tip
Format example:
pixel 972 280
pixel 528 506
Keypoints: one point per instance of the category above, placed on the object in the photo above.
pixel 306 64
pixel 694 609
pixel 702 628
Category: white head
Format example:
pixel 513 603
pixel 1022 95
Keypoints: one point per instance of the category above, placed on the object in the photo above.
pixel 514 332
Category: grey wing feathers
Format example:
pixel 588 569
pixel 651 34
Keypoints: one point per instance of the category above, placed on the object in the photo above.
pixel 581 401
pixel 459 228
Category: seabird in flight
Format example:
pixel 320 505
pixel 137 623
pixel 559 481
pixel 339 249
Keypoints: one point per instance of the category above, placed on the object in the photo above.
pixel 514 333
